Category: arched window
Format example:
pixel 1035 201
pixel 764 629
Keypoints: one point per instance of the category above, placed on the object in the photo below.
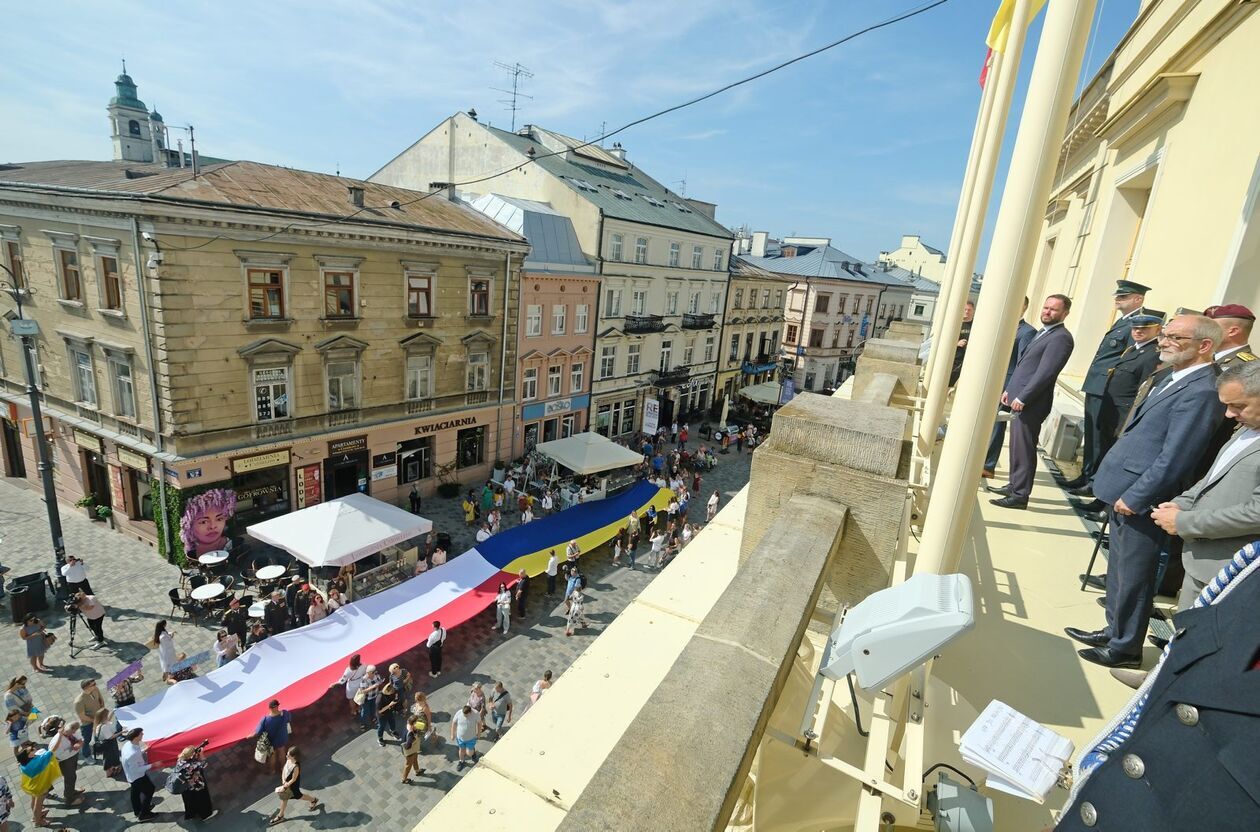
pixel 133 127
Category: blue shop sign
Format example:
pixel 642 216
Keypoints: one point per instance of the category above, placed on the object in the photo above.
pixel 751 368
pixel 544 409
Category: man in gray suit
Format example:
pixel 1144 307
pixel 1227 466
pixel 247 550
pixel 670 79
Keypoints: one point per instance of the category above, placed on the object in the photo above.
pixel 1029 394
pixel 1129 297
pixel 1024 333
pixel 1221 512
pixel 1152 461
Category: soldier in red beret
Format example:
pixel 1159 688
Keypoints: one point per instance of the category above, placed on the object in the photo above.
pixel 1236 321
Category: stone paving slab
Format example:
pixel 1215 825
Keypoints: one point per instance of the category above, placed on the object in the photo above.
pixel 356 779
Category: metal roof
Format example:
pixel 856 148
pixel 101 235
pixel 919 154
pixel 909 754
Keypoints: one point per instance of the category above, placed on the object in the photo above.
pixel 916 281
pixel 825 262
pixel 255 185
pixel 553 242
pixel 617 188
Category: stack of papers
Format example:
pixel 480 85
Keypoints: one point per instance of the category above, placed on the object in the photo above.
pixel 1022 757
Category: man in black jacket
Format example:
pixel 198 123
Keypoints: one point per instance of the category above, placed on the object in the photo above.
pixel 1129 297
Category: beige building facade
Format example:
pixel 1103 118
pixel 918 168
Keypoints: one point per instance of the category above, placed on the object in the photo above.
pixel 751 331
pixel 252 331
pixel 916 256
pixel 1160 178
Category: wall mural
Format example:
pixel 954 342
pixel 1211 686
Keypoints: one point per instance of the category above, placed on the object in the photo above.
pixel 204 524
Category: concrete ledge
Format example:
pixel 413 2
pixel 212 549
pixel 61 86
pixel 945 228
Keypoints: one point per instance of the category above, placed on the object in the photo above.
pixel 683 760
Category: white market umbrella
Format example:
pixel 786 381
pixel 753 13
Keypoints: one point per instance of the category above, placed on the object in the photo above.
pixel 765 393
pixel 589 453
pixel 340 531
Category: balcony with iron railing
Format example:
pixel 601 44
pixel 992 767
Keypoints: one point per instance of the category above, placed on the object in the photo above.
pixel 667 378
pixel 642 324
pixel 698 320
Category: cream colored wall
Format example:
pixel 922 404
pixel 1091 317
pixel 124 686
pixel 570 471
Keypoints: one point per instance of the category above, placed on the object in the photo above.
pixel 203 310
pixel 87 320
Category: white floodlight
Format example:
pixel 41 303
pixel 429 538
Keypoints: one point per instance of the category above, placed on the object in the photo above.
pixel 892 631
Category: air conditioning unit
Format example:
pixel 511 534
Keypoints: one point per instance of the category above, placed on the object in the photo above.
pixel 1068 435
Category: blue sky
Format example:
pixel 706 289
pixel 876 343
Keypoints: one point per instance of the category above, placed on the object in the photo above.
pixel 862 143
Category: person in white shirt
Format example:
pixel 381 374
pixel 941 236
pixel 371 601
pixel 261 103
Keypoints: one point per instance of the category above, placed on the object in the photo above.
pixel 434 642
pixel 658 542
pixel 509 492
pixel 553 567
pixel 526 516
pixel 75 573
pixel 136 769
pixel 502 609
pixel 439 556
pixel 712 507
pixel 547 503
pixel 483 533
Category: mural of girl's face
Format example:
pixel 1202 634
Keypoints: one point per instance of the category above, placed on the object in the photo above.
pixel 209 527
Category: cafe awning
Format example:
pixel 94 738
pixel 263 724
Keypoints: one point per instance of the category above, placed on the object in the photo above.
pixel 765 393
pixel 340 531
pixel 588 453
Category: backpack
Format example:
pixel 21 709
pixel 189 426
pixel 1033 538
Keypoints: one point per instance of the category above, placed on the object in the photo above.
pixel 581 581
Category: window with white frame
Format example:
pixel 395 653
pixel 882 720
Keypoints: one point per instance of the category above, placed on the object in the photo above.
pixel 122 388
pixel 671 303
pixel 674 250
pixel 689 352
pixel 419 295
pixel 343 384
pixel 694 305
pixel 709 344
pixel 419 377
pixel 554 375
pixel 607 362
pixel 559 312
pixel 529 383
pixel 70 280
pixel 640 250
pixel 778 298
pixel 715 301
pixel 271 393
pixel 576 376
pixel 338 294
pixel 612 303
pixel 479 296
pixel 667 356
pixel 697 257
pixel 640 302
pixel 84 375
pixel 734 353
pixel 633 351
pixel 581 318
pixel 13 254
pixel 533 320
pixel 765 298
pixel 717 259
pixel 614 248
pixel 738 302
pixel 478 378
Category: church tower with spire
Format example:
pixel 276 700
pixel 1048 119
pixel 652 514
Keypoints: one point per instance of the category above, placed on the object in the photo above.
pixel 138 135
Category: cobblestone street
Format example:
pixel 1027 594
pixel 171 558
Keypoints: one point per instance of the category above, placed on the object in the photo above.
pixel 357 781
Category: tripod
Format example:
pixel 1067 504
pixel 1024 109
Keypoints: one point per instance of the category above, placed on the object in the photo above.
pixel 75 617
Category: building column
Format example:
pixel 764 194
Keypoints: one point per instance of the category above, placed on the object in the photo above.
pixel 1015 239
pixel 973 202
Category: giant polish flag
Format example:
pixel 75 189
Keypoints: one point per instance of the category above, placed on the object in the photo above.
pixel 299 666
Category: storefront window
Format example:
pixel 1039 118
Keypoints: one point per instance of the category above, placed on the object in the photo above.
pixel 415 459
pixel 531 436
pixel 568 426
pixel 603 419
pixel 549 429
pixel 471 447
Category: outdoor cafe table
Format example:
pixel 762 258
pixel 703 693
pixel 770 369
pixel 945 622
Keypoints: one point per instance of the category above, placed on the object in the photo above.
pixel 211 559
pixel 257 609
pixel 269 573
pixel 207 591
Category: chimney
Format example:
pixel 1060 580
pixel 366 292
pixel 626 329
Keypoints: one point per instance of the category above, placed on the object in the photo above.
pixel 472 113
pixel 449 187
pixel 618 151
pixel 356 195
pixel 759 239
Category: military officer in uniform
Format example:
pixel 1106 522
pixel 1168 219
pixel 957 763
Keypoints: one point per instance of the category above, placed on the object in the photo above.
pixel 1133 367
pixel 1129 297
pixel 1236 321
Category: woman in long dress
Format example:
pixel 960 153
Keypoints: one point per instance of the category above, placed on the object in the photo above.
pixel 164 642
pixel 575 614
pixel 36 638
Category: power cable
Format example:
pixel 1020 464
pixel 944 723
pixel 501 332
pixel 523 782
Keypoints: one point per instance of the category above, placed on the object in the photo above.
pixel 899 18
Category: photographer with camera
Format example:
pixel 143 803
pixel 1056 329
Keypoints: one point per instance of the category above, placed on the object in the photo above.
pixel 93 612
pixel 188 780
pixel 75 573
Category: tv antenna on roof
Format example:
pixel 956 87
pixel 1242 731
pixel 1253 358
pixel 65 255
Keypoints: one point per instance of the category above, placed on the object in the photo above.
pixel 517 72
pixel 682 185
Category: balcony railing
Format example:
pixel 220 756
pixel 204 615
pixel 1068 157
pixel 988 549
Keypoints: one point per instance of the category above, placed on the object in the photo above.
pixel 337 418
pixel 638 324
pixel 694 320
pixel 667 378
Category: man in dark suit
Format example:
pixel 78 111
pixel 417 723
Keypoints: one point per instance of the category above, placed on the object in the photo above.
pixel 1024 333
pixel 1029 394
pixel 1129 297
pixel 1154 459
pixel 1185 758
pixel 964 335
pixel 1220 513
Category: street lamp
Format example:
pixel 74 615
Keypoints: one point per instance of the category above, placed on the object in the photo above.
pixel 27 329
